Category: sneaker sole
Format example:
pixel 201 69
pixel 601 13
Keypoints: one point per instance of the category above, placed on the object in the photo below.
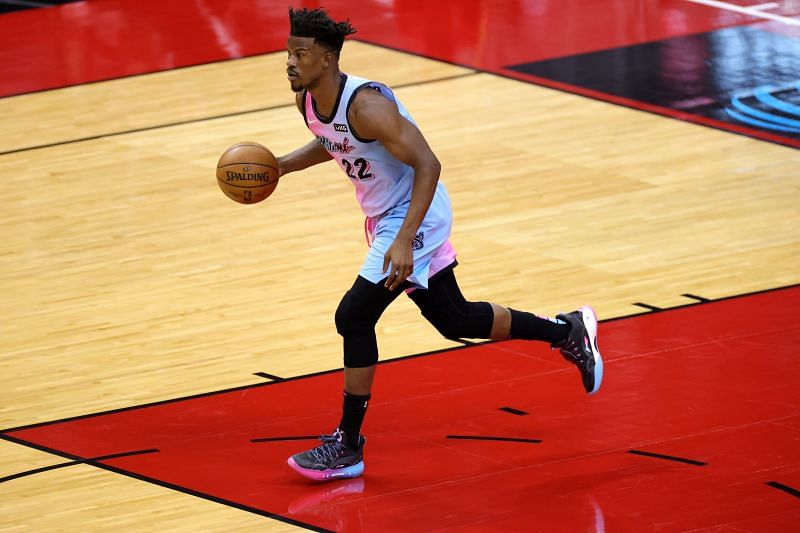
pixel 326 475
pixel 590 321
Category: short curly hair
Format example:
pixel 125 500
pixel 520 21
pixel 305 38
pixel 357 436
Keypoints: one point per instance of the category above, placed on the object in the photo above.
pixel 317 23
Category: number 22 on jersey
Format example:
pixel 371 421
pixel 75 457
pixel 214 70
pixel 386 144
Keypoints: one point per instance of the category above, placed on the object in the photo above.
pixel 358 169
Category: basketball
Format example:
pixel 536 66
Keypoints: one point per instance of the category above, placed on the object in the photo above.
pixel 247 172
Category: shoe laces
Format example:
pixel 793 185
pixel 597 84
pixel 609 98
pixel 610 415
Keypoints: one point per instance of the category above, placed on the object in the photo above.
pixel 571 351
pixel 330 448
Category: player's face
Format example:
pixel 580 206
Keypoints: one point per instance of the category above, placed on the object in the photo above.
pixel 306 62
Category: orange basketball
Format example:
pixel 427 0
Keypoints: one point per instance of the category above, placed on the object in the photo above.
pixel 247 172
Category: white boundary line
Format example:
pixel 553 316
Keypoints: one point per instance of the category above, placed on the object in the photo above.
pixel 768 5
pixel 747 11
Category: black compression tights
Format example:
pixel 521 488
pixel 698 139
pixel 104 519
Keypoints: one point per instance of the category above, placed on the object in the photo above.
pixel 442 304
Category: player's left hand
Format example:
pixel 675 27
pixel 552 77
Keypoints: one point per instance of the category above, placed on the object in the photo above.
pixel 401 259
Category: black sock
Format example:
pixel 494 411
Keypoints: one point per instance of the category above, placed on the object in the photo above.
pixel 535 328
pixel 353 410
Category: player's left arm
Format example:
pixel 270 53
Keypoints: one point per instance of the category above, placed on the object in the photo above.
pixel 375 117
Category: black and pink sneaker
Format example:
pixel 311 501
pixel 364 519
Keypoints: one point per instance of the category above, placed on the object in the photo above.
pixel 580 346
pixel 332 459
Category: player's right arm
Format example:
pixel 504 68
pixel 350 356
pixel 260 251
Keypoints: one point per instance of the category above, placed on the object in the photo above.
pixel 309 155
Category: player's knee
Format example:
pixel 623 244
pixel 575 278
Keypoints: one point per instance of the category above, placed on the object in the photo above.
pixel 350 320
pixel 358 333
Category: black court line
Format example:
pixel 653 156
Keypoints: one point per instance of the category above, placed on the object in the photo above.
pixel 209 118
pixel 273 377
pixel 340 369
pixel 167 485
pixel 715 300
pixel 539 82
pixel 139 130
pixel 143 73
pixel 433 352
pixel 648 306
pixel 223 391
pixel 785 488
pixel 668 457
pixel 695 297
pixel 513 411
pixel 278 439
pixel 76 462
pixel 487 437
pixel 229 503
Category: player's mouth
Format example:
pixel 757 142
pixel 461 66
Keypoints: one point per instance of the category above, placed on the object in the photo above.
pixel 291 75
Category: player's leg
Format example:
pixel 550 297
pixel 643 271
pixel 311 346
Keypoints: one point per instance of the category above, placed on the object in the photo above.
pixel 444 306
pixel 341 454
pixel 575 334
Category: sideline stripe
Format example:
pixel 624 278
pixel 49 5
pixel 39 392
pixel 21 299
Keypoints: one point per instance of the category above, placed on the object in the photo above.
pixel 747 11
pixel 768 5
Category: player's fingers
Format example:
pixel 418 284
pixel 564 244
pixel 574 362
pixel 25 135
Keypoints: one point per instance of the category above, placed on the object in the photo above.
pixel 390 280
pixel 402 274
pixel 385 263
pixel 407 273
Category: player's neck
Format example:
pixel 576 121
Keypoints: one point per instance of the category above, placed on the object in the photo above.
pixel 326 91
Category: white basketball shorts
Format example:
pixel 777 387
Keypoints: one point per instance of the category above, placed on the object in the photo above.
pixel 431 247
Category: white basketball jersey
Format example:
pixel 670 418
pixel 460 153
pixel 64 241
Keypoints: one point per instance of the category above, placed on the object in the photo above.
pixel 381 180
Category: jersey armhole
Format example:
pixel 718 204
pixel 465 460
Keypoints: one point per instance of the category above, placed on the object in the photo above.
pixel 371 85
pixel 303 106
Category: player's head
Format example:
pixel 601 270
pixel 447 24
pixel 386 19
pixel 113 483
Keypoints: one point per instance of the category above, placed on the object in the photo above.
pixel 315 41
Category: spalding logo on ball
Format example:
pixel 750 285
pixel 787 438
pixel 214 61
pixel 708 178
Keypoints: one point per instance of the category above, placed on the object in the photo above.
pixel 247 172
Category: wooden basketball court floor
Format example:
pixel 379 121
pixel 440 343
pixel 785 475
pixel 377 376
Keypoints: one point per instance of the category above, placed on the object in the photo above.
pixel 129 280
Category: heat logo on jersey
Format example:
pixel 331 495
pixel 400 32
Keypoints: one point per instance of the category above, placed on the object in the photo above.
pixel 343 147
pixel 419 241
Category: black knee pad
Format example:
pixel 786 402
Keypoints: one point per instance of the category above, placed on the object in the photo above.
pixel 358 334
pixel 356 316
pixel 358 311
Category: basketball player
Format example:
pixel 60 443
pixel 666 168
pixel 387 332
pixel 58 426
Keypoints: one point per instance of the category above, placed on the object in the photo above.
pixel 362 125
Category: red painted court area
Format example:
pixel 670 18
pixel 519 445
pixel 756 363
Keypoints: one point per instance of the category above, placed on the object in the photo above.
pixel 677 58
pixel 93 40
pixel 697 427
